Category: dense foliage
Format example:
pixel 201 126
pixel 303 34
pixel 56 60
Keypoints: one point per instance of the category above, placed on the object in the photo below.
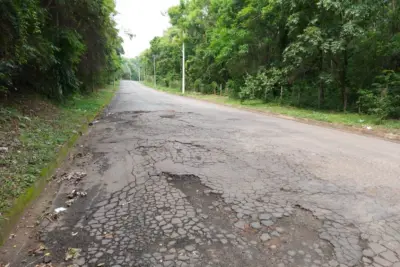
pixel 326 54
pixel 57 47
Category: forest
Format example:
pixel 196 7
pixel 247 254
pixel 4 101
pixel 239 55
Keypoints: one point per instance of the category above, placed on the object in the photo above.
pixel 57 47
pixel 339 55
pixel 58 59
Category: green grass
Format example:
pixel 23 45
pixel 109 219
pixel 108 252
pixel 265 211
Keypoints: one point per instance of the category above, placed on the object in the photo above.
pixel 34 141
pixel 337 118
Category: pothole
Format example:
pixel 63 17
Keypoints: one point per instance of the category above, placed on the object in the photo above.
pixel 209 204
pixel 292 240
pixel 122 116
pixel 141 111
pixel 101 163
pixel 224 246
pixel 300 234
pixel 167 116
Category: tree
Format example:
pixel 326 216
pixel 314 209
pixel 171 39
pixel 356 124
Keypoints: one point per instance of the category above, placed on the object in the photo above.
pixel 58 47
pixel 320 54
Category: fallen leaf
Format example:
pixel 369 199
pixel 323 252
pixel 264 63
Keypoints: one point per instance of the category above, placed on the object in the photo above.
pixel 108 236
pixel 72 253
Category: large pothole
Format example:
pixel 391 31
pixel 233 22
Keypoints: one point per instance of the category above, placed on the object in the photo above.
pixel 291 241
pixel 209 204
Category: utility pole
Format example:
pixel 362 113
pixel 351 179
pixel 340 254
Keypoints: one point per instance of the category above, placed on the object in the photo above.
pixel 183 67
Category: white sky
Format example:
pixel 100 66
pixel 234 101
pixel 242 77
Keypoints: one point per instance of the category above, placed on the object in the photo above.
pixel 144 19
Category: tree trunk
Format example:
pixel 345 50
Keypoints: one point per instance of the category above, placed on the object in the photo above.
pixel 265 95
pixel 321 89
pixel 343 78
pixel 345 99
pixel 321 94
pixel 298 97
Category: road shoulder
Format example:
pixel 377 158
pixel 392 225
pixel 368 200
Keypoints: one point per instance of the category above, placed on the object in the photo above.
pixel 361 129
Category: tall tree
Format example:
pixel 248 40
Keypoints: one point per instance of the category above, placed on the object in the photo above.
pixel 58 47
pixel 330 54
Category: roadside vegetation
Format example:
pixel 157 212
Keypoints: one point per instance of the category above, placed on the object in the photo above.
pixel 328 59
pixel 57 61
pixel 32 131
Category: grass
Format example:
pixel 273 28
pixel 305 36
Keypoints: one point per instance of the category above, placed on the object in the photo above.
pixel 34 130
pixel 336 118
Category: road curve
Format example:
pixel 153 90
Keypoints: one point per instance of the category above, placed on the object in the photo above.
pixel 173 181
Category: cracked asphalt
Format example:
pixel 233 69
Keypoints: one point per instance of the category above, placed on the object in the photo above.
pixel 173 181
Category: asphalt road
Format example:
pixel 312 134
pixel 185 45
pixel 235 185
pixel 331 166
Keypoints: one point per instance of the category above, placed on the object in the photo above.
pixel 173 181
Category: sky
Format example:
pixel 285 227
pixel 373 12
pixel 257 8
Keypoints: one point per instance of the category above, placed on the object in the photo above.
pixel 144 19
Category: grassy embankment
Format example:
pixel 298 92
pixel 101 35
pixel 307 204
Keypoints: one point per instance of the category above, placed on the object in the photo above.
pixel 35 135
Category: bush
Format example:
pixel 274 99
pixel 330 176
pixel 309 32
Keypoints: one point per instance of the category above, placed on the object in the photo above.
pixel 262 85
pixel 386 106
pixel 175 84
pixel 384 99
pixel 233 88
pixel 197 85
